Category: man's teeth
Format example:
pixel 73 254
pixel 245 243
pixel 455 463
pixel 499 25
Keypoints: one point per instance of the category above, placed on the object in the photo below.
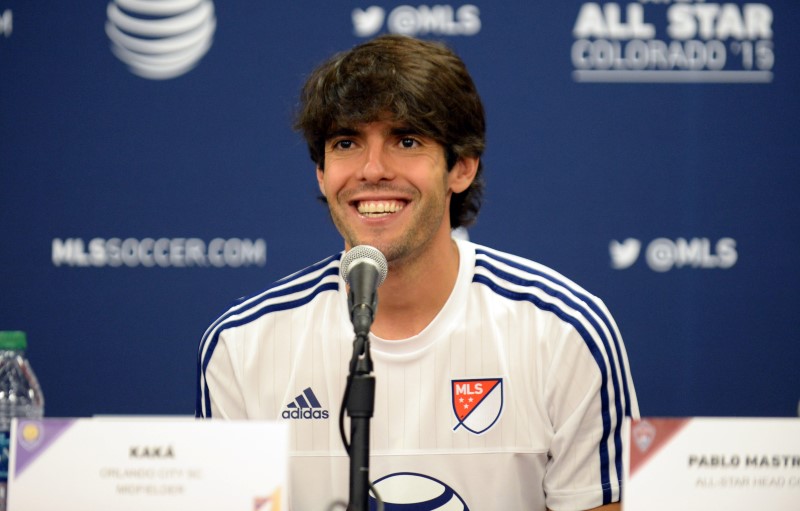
pixel 379 208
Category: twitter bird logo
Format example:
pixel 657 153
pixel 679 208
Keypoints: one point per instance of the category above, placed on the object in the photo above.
pixel 367 22
pixel 624 254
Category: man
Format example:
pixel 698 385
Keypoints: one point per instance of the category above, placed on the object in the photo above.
pixel 500 383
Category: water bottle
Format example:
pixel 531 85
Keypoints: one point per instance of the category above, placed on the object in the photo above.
pixel 20 396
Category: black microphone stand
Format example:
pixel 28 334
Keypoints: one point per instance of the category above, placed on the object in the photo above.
pixel 359 396
pixel 360 406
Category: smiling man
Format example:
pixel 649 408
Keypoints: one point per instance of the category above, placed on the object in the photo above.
pixel 501 384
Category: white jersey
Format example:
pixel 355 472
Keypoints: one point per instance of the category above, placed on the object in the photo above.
pixel 511 398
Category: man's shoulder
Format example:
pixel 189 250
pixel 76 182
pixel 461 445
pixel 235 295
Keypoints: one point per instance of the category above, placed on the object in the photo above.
pixel 501 266
pixel 296 290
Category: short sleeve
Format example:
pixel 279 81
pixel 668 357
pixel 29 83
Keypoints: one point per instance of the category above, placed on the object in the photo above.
pixel 588 394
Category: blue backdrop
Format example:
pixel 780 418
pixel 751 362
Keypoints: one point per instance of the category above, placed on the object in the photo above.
pixel 648 150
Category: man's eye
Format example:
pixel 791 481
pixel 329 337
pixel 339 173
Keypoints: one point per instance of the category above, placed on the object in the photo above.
pixel 408 142
pixel 343 144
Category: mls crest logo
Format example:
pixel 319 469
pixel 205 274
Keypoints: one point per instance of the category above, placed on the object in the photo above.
pixel 477 403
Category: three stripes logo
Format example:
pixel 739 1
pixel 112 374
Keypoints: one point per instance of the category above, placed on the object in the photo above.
pixel 305 406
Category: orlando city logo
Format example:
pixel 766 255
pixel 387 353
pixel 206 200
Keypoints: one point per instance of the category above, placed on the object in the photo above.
pixel 477 403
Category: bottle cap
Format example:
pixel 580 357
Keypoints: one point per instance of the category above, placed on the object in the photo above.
pixel 13 340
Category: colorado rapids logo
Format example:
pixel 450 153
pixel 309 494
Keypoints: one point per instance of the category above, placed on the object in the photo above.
pixel 643 435
pixel 477 403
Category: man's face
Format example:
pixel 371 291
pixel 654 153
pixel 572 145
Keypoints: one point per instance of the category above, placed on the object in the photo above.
pixel 388 187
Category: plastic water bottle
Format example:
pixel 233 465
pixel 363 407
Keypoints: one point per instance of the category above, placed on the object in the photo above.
pixel 20 396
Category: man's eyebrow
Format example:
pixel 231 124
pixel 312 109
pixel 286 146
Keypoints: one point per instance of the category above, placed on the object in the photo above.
pixel 346 131
pixel 342 132
pixel 403 130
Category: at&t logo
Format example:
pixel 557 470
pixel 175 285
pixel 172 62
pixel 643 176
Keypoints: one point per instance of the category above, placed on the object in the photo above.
pixel 407 491
pixel 416 21
pixel 160 40
pixel 663 254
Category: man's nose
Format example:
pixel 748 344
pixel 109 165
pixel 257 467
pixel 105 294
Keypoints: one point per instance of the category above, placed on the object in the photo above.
pixel 377 166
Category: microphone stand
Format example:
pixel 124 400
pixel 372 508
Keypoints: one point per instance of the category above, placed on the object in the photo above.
pixel 364 276
pixel 360 406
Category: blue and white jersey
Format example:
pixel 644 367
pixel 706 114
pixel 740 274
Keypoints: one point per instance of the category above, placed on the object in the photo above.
pixel 511 398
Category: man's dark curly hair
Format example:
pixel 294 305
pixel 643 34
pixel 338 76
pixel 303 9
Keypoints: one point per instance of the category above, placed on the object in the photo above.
pixel 420 83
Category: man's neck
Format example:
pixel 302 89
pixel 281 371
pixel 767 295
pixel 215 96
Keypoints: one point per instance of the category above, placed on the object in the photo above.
pixel 415 291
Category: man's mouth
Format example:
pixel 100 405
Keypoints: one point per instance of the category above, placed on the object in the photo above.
pixel 372 209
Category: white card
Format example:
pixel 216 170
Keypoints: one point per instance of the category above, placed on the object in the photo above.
pixel 147 464
pixel 712 463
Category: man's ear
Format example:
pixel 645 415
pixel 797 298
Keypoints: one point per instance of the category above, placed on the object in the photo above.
pixel 321 181
pixel 462 174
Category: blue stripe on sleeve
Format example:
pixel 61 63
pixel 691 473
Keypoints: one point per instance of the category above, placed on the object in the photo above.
pixel 330 286
pixel 270 294
pixel 595 351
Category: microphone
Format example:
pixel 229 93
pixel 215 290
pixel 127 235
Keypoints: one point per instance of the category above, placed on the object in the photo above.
pixel 364 268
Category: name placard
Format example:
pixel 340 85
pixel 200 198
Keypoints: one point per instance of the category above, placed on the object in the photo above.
pixel 154 464
pixel 712 463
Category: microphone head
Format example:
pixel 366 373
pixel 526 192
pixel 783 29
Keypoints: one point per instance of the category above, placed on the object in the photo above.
pixel 364 254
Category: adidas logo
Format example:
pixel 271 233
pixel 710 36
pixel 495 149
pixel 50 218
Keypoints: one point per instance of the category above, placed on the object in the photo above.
pixel 305 406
